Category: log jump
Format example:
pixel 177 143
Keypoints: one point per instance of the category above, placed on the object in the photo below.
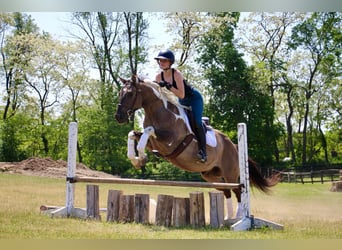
pixel 170 210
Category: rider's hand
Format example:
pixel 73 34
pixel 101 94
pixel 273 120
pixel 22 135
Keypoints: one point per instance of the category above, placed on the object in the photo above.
pixel 163 84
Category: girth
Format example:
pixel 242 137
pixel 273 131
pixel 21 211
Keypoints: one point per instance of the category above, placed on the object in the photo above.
pixel 186 141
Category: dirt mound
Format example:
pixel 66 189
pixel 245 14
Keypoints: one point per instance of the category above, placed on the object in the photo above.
pixel 47 167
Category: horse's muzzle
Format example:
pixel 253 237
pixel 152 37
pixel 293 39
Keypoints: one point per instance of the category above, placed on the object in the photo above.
pixel 121 117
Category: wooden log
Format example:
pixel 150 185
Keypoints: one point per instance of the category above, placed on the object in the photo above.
pixel 216 209
pixel 113 205
pixel 126 209
pixel 197 213
pixel 181 212
pixel 93 209
pixel 336 186
pixel 164 210
pixel 142 208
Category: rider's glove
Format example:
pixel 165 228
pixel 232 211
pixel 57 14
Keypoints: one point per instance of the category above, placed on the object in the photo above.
pixel 165 84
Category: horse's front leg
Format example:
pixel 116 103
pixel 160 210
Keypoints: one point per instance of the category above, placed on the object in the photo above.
pixel 148 131
pixel 141 159
pixel 131 149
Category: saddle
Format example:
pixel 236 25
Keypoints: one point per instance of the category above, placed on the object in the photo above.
pixel 191 118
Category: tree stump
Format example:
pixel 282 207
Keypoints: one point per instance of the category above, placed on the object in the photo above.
pixel 113 205
pixel 216 209
pixel 164 210
pixel 197 214
pixel 93 209
pixel 181 212
pixel 336 186
pixel 142 208
pixel 126 209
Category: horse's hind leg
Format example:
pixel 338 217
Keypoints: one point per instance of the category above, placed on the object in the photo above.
pixel 228 195
pixel 229 203
pixel 239 210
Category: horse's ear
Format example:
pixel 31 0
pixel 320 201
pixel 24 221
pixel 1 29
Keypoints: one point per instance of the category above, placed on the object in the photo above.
pixel 124 81
pixel 135 79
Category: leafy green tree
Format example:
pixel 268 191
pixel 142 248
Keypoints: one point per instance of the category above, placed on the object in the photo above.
pixel 320 38
pixel 116 42
pixel 233 96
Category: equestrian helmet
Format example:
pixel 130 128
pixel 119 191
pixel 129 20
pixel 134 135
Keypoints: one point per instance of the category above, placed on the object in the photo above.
pixel 166 54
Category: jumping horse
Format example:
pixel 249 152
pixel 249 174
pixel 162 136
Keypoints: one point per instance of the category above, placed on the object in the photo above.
pixel 166 132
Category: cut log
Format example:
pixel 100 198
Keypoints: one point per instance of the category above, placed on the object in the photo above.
pixel 126 210
pixel 93 209
pixel 142 208
pixel 164 210
pixel 113 205
pixel 216 209
pixel 197 213
pixel 181 212
pixel 336 186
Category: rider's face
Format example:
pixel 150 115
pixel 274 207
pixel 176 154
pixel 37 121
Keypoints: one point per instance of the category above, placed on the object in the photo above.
pixel 164 63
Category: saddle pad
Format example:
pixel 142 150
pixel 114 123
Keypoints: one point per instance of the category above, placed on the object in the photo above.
pixel 211 138
pixel 210 134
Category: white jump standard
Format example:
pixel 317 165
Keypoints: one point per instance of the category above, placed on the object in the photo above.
pixel 247 221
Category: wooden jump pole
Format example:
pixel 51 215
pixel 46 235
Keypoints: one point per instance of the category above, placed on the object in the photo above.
pixel 157 182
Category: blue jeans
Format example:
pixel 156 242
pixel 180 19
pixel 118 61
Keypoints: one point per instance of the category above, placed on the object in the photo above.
pixel 196 104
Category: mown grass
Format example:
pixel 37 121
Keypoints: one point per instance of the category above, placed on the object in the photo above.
pixel 308 211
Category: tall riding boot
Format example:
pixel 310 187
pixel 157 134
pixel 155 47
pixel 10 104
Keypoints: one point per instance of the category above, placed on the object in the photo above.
pixel 201 139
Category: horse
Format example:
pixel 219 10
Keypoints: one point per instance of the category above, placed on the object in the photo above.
pixel 168 134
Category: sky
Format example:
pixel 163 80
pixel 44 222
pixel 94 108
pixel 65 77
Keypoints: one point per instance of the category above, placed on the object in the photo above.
pixel 56 23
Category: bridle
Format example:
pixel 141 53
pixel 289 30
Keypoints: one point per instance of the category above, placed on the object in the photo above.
pixel 130 111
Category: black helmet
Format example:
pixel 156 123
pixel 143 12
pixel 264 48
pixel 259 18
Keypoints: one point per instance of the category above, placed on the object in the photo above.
pixel 166 54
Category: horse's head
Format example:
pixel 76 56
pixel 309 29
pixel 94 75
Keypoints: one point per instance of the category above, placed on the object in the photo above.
pixel 129 99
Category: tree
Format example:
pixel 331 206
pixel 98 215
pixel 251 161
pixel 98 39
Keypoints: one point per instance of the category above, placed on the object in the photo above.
pixel 264 36
pixel 233 96
pixel 13 57
pixel 42 78
pixel 116 43
pixel 136 27
pixel 320 38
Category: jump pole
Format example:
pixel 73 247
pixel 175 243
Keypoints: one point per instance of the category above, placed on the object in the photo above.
pixel 247 221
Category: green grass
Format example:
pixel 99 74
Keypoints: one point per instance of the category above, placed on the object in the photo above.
pixel 308 211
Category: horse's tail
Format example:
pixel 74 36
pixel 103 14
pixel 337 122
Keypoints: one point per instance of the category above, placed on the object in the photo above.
pixel 258 181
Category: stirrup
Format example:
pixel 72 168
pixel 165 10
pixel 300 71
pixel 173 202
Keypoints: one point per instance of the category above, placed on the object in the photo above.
pixel 202 156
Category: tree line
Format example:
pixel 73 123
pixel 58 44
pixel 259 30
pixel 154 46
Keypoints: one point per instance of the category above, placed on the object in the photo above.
pixel 287 91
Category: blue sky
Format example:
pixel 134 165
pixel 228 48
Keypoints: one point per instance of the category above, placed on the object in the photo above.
pixel 56 23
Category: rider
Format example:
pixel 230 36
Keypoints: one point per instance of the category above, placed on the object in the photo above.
pixel 173 80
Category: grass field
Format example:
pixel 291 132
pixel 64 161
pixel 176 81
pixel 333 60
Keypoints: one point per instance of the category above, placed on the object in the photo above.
pixel 308 211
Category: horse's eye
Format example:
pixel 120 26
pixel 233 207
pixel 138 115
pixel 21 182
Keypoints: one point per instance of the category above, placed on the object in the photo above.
pixel 128 89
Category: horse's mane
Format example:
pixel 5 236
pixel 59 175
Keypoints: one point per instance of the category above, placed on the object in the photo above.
pixel 163 94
